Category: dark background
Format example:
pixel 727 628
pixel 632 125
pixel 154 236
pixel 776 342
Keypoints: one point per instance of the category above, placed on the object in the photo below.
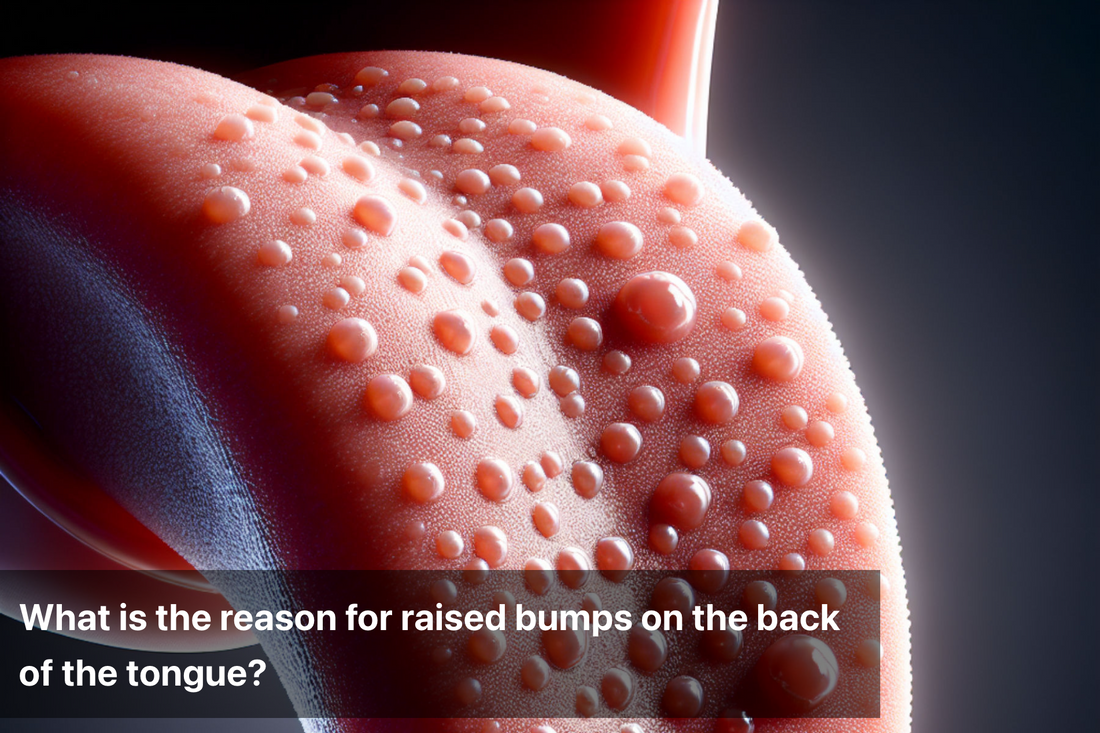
pixel 933 168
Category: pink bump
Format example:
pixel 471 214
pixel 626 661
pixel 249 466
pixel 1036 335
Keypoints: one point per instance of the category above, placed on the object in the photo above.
pixel 376 214
pixel 388 397
pixel 619 240
pixel 656 307
pixel 494 479
pixel 352 340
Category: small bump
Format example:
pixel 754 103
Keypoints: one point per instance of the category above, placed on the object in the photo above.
pixel 664 538
pixel 635 163
pixel 585 194
pixel 597 123
pixel 587 479
pixel 551 238
pixel 836 403
pixel 369 112
pixel 550 139
pixel 683 697
pixel 684 188
pixel 685 370
pixel 866 534
pixel 307 139
pixel 274 253
pixel 262 113
pixel 614 557
pixel 389 397
pixel 336 299
pixel 572 406
pixel 682 237
pixel 709 570
pixel 774 309
pixel 694 451
pixel 587 701
pixel 656 307
pixel 547 518
pixel 844 505
pixel 793 466
pixel 471 126
pixel 412 279
pixel 869 653
pixel 534 478
pixel 621 442
pixel 538 574
pixel 617 688
pixel 521 127
pixel 463 423
pixel 616 362
pixel 494 479
pixel 472 181
pixel 680 500
pixel 467 691
pixel 477 95
pixel 728 271
pixel 796 673
pixel 376 214
pixel 619 240
pixel 492 105
pixel 456 229
pixel 792 561
pixel 733 319
pixel 530 305
pixel 509 411
pixel 573 571
pixel 757 236
pixel 352 340
pixel 412 86
pixel 458 266
pixel 821 542
pixel 504 175
pixel 564 381
pixel 303 217
pixel 853 459
pixel 794 417
pixel 445 84
pixel 286 314
pixel 716 403
pixel 585 334
pixel 449 544
pixel 370 76
pixel 757 496
pixel 527 200
pixel 423 482
pixel 760 593
pixel 778 358
pixel 647 649
pixel 669 215
pixel 647 402
pixel 733 452
pixel 487 646
pixel 413 189
pixel 820 433
pixel 455 330
pixel 498 230
pixel 754 534
pixel 225 204
pixel 234 128
pixel 831 592
pixel 491 545
pixel 526 381
pixel 358 168
pixel 505 338
pixel 551 463
pixel 635 146
pixel 535 673
pixel 427 381
pixel 466 146
pixel 572 293
pixel 615 191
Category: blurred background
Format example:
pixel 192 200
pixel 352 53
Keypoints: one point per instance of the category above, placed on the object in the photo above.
pixel 933 167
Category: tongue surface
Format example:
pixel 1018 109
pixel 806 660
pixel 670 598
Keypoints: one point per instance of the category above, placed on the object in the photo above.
pixel 433 311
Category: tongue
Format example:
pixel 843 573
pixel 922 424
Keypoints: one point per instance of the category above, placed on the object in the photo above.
pixel 429 311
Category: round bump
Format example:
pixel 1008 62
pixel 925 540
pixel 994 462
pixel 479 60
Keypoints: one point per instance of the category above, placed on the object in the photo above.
pixel 585 334
pixel 423 482
pixel 754 534
pixel 487 646
pixel 526 381
pixel 491 545
pixel 535 673
pixel 757 236
pixel 388 397
pixel 757 496
pixel 274 253
pixel 509 411
pixel 494 480
pixel 225 204
pixel 534 478
pixel 547 518
pixel 234 128
pixel 505 338
pixel 455 331
pixel 530 305
pixel 774 309
pixel 587 479
pixel 794 417
pixel 656 307
pixel 796 673
pixel 792 561
pixel 538 575
pixel 778 358
pixel 412 279
pixel 685 370
pixel 866 534
pixel 551 238
pixel 585 194
pixel 550 139
pixel 821 542
pixel 551 463
pixel 521 126
pixel 664 538
pixel 694 451
pixel 498 230
pixel 614 558
pixel 844 505
pixel 793 466
pixel 683 697
pixel 459 266
pixel 831 592
pixel 869 653
pixel 463 423
pixel 572 406
pixel 376 214
pixel 449 544
pixel 820 433
pixel 684 188
pixel 723 645
pixel 352 340
pixel 852 459
pixel 504 174
pixel 836 403
pixel 733 452
pixel 647 402
pixel 564 381
pixel 427 381
pixel 617 687
pixel 619 240
pixel 616 362
pixel 680 500
pixel 709 570
pixel 615 191
pixel 647 649
pixel 635 146
pixel 472 181
pixel 716 403
pixel 527 200
pixel 572 293
pixel 621 442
